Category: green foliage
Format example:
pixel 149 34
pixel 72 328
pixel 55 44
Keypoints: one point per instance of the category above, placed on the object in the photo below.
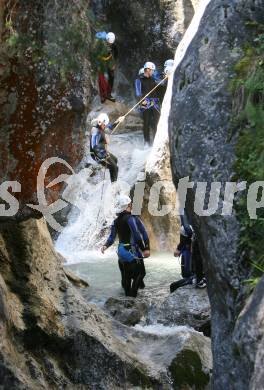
pixel 249 84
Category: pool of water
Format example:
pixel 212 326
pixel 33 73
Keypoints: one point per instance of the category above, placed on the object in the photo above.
pixel 103 275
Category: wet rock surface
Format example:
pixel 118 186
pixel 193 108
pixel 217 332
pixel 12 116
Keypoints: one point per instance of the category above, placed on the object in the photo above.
pixel 52 338
pixel 187 306
pixel 128 311
pixel 203 148
pixel 45 92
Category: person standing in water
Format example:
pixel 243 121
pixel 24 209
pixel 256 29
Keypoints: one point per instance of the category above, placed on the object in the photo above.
pixel 132 248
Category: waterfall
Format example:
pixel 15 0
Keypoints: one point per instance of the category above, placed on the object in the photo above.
pixel 161 139
pixel 95 197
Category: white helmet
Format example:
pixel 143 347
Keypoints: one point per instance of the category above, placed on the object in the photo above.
pixel 122 202
pixel 141 71
pixel 168 63
pixel 103 119
pixel 149 65
pixel 168 70
pixel 110 37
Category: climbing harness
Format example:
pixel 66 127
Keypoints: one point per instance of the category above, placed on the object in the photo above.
pixel 150 103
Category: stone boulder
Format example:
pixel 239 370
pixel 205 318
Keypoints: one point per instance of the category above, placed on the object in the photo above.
pixel 128 311
pixel 178 352
pixel 52 338
pixel 186 306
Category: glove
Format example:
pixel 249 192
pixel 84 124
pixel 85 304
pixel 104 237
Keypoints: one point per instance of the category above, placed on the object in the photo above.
pixel 144 103
pixel 121 119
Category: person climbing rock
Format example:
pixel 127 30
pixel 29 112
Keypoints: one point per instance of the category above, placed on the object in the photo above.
pixel 184 250
pixel 105 53
pixel 150 106
pixel 132 248
pixel 98 145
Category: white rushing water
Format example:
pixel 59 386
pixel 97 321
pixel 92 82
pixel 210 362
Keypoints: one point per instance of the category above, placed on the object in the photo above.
pixel 80 241
pixel 95 198
pixel 162 136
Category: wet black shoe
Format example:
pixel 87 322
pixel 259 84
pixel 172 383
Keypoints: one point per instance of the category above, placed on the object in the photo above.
pixel 142 285
pixel 201 284
pixel 111 98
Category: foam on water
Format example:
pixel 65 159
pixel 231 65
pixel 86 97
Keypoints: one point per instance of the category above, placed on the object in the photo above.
pixel 162 330
pixel 95 199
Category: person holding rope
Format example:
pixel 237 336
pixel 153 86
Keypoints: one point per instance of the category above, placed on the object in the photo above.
pixel 98 144
pixel 132 248
pixel 150 106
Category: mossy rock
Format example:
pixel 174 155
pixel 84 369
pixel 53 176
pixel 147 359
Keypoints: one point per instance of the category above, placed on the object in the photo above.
pixel 187 370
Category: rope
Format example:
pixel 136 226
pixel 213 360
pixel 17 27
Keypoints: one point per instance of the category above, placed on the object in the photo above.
pixel 97 218
pixel 100 200
pixel 138 103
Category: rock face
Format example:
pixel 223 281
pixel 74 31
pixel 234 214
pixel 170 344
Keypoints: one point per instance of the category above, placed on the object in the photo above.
pixel 45 90
pixel 145 31
pixel 203 148
pixel 51 338
pixel 186 306
pixel 127 310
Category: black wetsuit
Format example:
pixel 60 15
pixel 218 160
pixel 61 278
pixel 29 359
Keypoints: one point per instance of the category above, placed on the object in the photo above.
pixel 197 261
pixel 186 264
pixel 131 233
pixel 151 115
pixel 100 154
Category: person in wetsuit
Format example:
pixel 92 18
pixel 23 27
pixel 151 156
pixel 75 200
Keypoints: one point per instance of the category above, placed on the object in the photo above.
pixel 150 107
pixel 191 259
pixel 98 144
pixel 132 248
pixel 184 250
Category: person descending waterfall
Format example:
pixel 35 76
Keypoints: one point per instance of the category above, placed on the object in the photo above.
pixel 105 54
pixel 150 106
pixel 132 248
pixel 98 144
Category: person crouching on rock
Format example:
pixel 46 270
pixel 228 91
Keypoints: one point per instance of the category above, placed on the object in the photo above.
pixel 98 144
pixel 132 248
pixel 184 250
